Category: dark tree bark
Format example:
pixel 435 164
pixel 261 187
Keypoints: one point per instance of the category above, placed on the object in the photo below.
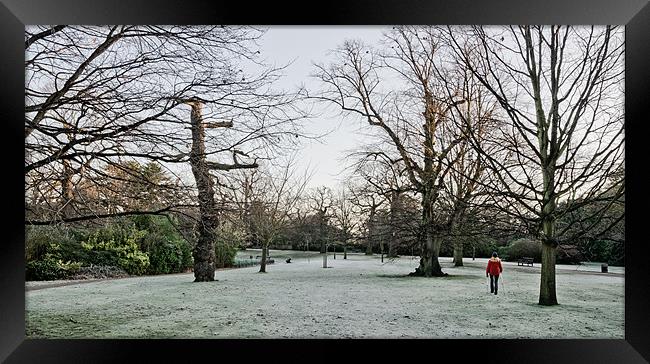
pixel 371 230
pixel 204 250
pixel 394 222
pixel 263 262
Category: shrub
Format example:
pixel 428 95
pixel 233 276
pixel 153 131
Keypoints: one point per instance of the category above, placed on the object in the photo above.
pixel 524 247
pixel 224 254
pixel 117 246
pixel 43 240
pixel 503 252
pixel 50 268
pixel 187 261
pixel 165 257
pixel 44 270
pixel 227 242
pixel 568 254
pixel 168 251
pixel 609 252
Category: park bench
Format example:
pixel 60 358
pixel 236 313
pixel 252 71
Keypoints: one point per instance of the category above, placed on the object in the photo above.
pixel 525 260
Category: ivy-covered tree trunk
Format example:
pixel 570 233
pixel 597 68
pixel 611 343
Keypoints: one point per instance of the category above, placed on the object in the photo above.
pixel 204 250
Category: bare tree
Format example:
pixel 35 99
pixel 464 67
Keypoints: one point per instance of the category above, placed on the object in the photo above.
pixel 387 178
pixel 346 217
pixel 367 201
pixel 277 199
pixel 559 89
pixel 99 96
pixel 409 114
pixel 464 183
pixel 321 201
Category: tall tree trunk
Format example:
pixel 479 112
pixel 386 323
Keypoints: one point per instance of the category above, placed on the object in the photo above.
pixel 547 295
pixel 67 193
pixel 371 230
pixel 204 250
pixel 264 257
pixel 431 242
pixel 307 239
pixel 394 211
pixel 458 253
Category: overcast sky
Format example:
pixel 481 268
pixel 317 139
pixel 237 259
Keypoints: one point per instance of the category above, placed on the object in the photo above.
pixel 306 45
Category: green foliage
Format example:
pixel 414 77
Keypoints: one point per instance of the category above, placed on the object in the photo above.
pixel 168 251
pixel 228 241
pixel 43 240
pixel 138 245
pixel 117 245
pixel 224 254
pixel 604 251
pixel 524 247
pixel 187 261
pixel 165 257
pixel 503 252
pixel 50 268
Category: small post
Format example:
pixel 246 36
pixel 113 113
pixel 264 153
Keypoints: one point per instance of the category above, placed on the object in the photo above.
pixel 603 268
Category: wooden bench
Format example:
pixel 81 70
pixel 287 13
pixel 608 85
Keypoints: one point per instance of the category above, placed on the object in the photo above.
pixel 525 260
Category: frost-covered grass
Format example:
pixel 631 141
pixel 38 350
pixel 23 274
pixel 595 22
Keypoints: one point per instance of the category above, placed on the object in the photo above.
pixel 359 297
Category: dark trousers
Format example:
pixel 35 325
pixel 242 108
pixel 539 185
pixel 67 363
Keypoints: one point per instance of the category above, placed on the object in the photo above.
pixel 494 284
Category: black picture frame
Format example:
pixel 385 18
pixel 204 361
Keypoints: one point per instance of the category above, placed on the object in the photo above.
pixel 14 14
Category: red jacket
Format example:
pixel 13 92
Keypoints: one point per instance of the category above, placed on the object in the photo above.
pixel 494 267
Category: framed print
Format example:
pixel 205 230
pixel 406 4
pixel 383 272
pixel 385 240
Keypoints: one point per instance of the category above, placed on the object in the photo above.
pixel 264 181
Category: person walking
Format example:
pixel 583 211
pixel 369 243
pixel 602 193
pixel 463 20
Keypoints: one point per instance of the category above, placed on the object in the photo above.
pixel 493 270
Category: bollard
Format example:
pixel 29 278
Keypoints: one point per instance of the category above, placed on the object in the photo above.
pixel 603 268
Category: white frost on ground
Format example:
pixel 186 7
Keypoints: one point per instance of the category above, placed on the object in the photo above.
pixel 357 298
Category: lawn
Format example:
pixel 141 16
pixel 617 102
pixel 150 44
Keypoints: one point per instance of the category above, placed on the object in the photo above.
pixel 356 298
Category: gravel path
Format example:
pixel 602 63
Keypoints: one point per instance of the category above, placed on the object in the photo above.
pixel 358 298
